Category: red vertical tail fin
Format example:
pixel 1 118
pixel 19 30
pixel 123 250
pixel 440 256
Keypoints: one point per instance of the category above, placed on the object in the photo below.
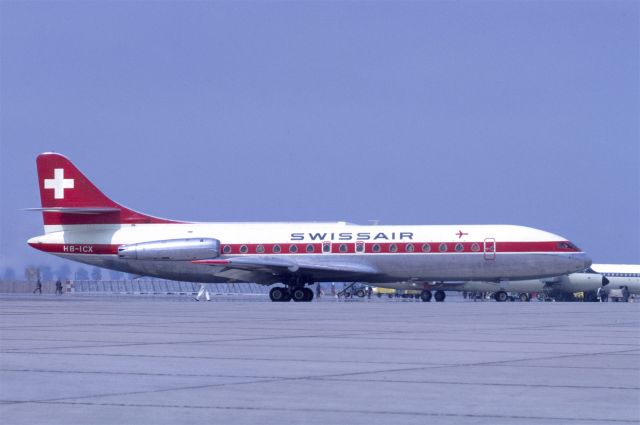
pixel 68 197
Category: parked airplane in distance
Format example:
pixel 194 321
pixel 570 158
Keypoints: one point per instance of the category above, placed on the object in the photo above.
pixel 620 275
pixel 82 224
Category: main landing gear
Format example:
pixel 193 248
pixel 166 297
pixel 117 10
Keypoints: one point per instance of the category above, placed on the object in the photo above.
pixel 439 296
pixel 297 293
pixel 501 296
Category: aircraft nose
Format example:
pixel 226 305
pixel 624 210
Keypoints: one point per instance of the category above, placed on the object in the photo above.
pixel 582 261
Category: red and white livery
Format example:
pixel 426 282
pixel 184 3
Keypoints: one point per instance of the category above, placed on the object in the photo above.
pixel 82 224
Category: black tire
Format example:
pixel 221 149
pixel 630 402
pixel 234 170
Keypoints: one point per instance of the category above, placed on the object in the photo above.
pixel 501 296
pixel 425 296
pixel 309 296
pixel 439 296
pixel 279 294
pixel 524 297
pixel 298 294
pixel 360 293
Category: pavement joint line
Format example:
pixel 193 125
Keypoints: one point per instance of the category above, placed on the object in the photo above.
pixel 205 341
pixel 418 365
pixel 342 411
pixel 298 337
pixel 230 344
pixel 322 378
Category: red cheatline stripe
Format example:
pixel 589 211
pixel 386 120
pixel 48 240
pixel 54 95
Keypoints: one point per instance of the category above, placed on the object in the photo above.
pixel 338 248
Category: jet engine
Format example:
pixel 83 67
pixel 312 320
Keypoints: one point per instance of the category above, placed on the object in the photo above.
pixel 172 249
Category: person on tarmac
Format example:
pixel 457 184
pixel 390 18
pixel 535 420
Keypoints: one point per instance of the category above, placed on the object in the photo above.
pixel 38 287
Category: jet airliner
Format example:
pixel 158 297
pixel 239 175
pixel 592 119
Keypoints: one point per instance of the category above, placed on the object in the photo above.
pixel 83 224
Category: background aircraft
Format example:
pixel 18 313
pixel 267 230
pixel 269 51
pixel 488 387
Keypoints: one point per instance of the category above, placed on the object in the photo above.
pixel 620 275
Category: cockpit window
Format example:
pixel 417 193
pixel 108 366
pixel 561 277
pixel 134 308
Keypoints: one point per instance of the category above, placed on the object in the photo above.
pixel 567 245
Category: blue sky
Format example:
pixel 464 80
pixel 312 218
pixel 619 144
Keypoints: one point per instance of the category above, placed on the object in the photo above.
pixel 404 112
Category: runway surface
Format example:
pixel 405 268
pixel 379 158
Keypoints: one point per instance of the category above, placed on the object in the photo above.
pixel 100 360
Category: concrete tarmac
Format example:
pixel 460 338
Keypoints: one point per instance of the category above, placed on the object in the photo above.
pixel 101 360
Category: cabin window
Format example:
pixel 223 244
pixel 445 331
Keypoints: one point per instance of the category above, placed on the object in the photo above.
pixel 376 248
pixel 244 249
pixel 293 248
pixel 393 248
pixel 443 247
pixel 459 247
pixel 410 247
pixel 426 247
pixel 277 249
pixel 475 247
pixel 226 249
pixel 309 248
pixel 343 247
pixel 260 249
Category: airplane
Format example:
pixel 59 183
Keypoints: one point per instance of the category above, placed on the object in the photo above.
pixel 84 225
pixel 620 275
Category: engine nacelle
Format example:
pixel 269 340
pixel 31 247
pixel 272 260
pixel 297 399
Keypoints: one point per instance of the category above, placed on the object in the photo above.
pixel 172 249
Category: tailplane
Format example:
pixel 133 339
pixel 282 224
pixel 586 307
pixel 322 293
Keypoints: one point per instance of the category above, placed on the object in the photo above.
pixel 68 197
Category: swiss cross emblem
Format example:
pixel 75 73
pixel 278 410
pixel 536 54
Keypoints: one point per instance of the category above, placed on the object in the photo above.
pixel 58 183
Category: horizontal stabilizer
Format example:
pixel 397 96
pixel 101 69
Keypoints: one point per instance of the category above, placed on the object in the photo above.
pixel 76 210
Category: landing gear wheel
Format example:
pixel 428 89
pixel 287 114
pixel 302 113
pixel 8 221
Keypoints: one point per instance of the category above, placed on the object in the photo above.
pixel 298 294
pixel 309 294
pixel 360 293
pixel 425 295
pixel 524 297
pixel 278 294
pixel 440 296
pixel 501 296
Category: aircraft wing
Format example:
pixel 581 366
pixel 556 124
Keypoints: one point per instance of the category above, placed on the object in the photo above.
pixel 268 270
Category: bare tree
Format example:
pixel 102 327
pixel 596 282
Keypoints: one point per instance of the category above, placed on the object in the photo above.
pixel 96 273
pixel 82 274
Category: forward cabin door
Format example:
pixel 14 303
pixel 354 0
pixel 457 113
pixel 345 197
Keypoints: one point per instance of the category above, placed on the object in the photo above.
pixel 489 249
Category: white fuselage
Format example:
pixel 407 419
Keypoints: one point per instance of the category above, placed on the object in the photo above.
pixel 444 253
